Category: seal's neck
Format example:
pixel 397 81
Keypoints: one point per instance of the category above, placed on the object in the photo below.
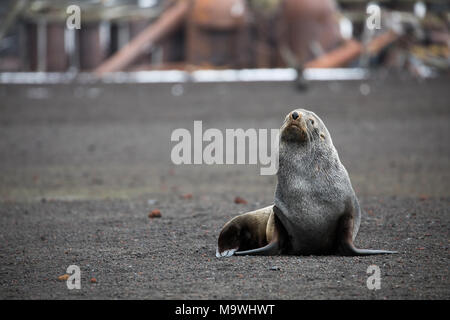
pixel 302 158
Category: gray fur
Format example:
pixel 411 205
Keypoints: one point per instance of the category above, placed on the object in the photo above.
pixel 313 188
pixel 315 210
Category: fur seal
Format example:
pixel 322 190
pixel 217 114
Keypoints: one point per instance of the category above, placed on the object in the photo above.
pixel 315 210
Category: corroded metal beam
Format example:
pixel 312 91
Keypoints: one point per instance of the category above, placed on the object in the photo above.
pixel 167 22
pixel 350 50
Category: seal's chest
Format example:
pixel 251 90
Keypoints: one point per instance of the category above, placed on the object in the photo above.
pixel 310 191
pixel 308 204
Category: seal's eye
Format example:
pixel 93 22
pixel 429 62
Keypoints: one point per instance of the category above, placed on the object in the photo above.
pixel 312 121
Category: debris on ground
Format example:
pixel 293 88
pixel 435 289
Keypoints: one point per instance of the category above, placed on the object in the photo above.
pixel 275 268
pixel 156 213
pixel 240 200
pixel 64 277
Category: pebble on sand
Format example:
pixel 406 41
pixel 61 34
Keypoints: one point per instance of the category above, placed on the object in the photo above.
pixel 275 268
pixel 154 214
pixel 64 277
pixel 240 200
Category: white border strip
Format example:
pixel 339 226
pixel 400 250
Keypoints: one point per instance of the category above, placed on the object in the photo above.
pixel 177 76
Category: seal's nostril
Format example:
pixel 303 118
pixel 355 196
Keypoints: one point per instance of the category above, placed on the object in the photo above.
pixel 294 115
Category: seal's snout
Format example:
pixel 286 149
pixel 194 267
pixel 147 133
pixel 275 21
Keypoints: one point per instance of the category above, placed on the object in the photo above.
pixel 294 128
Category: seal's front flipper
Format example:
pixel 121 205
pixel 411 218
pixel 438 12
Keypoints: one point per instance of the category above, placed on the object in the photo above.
pixel 352 251
pixel 345 239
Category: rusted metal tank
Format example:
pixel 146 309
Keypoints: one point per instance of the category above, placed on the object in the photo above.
pixel 219 15
pixel 235 33
pixel 265 28
pixel 311 27
pixel 216 33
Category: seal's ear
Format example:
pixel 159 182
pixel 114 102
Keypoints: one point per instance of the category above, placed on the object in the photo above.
pixel 322 136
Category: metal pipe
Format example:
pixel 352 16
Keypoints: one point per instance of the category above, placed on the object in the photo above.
pixel 350 50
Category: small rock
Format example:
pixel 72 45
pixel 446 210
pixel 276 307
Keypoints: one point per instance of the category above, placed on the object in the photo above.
pixel 93 280
pixel 187 196
pixel 64 277
pixel 275 268
pixel 155 214
pixel 240 200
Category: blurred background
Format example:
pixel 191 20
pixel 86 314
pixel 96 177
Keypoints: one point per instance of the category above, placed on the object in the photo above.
pixel 89 112
pixel 130 35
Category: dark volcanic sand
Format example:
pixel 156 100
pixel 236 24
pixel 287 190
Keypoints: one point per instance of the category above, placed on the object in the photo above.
pixel 80 163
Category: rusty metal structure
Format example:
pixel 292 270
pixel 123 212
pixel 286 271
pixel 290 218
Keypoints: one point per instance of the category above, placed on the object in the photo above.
pixel 167 22
pixel 312 27
pixel 106 26
pixel 215 33
pixel 123 35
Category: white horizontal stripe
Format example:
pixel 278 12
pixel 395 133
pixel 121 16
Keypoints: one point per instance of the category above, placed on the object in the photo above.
pixel 177 76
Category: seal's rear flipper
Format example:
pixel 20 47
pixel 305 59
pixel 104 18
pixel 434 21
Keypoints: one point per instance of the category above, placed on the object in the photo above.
pixel 345 239
pixel 276 236
pixel 272 248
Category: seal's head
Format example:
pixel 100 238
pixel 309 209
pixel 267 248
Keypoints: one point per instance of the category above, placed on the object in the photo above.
pixel 302 127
